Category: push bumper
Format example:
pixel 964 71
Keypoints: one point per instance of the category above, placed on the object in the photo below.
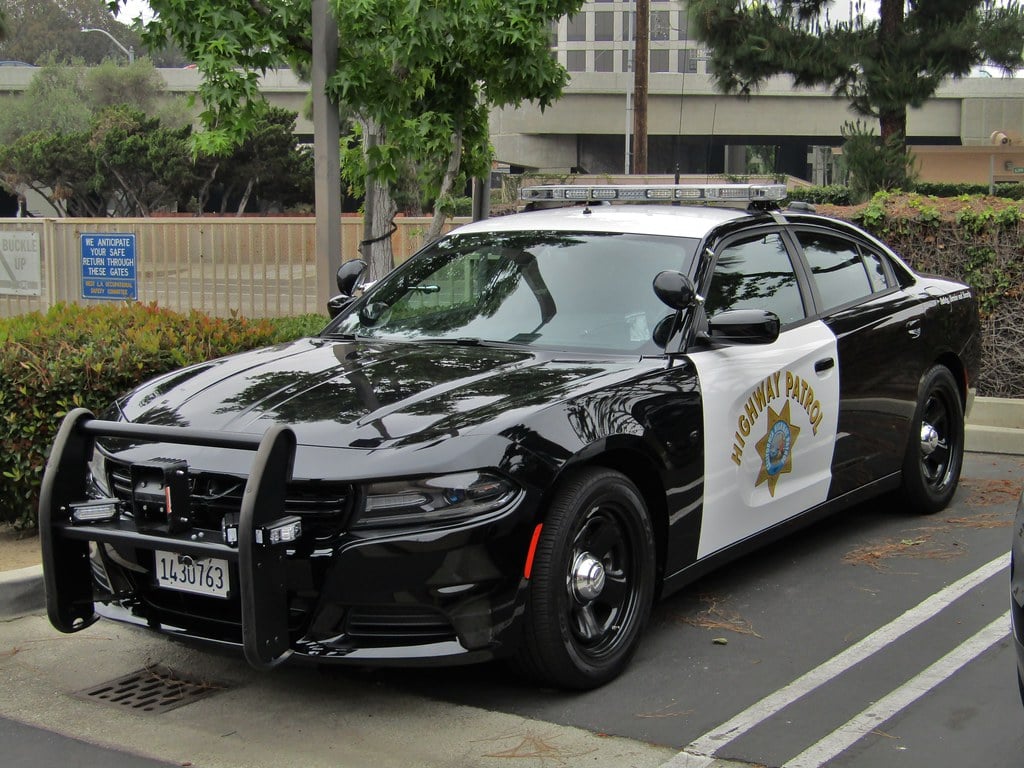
pixel 260 564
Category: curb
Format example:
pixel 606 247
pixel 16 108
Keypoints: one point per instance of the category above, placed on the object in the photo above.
pixel 21 592
pixel 996 426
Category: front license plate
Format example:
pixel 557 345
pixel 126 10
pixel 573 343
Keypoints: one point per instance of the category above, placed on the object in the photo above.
pixel 201 576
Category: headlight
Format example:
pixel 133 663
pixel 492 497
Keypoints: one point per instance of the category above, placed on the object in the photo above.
pixel 434 499
pixel 98 471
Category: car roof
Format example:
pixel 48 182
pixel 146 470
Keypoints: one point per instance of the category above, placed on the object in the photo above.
pixel 675 220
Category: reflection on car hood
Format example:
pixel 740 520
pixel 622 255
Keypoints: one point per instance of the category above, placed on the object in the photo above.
pixel 349 394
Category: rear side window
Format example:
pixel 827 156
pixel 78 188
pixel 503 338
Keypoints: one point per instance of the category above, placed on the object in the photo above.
pixel 876 271
pixel 838 269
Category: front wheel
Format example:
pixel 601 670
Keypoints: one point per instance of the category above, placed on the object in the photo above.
pixel 592 582
pixel 935 453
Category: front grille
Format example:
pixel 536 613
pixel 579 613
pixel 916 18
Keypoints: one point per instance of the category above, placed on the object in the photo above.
pixel 215 495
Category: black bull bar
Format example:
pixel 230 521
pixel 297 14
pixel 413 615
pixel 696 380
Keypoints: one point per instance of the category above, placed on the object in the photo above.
pixel 67 572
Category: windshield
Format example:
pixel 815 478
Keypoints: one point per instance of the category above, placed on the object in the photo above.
pixel 565 290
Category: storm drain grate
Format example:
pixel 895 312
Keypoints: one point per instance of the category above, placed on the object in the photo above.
pixel 153 689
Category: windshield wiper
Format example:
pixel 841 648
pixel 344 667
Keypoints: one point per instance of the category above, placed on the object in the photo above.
pixel 461 341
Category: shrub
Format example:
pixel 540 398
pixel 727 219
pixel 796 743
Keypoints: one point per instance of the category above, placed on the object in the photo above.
pixel 874 164
pixel 75 356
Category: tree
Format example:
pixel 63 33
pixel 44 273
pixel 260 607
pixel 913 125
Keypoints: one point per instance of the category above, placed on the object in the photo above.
pixel 61 167
pixel 149 167
pixel 100 140
pixel 882 65
pixel 267 167
pixel 40 28
pixel 63 98
pixel 420 76
pixel 55 101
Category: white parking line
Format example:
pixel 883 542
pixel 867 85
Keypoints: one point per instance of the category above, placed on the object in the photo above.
pixel 700 752
pixel 871 718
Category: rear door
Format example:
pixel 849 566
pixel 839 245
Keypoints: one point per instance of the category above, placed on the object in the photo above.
pixel 770 410
pixel 877 326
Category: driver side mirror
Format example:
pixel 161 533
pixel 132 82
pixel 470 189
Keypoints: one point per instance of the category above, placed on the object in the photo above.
pixel 349 274
pixel 675 289
pixel 348 278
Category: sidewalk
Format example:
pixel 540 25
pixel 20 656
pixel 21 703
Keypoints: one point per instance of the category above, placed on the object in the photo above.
pixel 996 426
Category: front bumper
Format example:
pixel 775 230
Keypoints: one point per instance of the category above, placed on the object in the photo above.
pixel 449 594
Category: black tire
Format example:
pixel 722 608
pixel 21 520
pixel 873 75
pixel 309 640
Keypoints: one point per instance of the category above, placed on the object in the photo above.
pixel 592 582
pixel 935 451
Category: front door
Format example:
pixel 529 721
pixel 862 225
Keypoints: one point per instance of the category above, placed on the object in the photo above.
pixel 770 410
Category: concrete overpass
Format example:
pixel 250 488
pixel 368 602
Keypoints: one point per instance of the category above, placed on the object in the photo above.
pixel 691 125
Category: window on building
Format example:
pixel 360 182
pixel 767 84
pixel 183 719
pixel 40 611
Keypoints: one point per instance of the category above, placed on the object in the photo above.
pixel 627 25
pixel 661 26
pixel 576 61
pixel 604 61
pixel 576 27
pixel 659 61
pixel 688 60
pixel 604 25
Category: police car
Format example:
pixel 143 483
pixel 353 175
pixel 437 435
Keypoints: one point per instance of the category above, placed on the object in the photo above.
pixel 515 442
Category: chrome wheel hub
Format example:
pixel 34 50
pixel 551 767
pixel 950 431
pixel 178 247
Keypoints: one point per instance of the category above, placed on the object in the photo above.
pixel 929 439
pixel 587 577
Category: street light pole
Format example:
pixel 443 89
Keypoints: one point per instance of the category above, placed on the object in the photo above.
pixel 129 52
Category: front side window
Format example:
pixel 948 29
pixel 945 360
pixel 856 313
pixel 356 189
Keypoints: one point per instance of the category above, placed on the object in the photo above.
pixel 573 291
pixel 756 273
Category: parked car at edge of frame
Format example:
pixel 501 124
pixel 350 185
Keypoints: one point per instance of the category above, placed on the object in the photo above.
pixel 515 442
pixel 1017 591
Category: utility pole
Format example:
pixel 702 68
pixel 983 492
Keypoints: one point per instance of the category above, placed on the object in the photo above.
pixel 326 153
pixel 641 65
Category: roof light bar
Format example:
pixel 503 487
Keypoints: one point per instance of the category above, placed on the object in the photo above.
pixel 702 193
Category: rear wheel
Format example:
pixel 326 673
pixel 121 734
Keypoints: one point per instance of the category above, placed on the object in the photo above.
pixel 935 454
pixel 592 582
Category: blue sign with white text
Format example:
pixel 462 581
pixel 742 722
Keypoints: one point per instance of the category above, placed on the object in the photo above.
pixel 108 266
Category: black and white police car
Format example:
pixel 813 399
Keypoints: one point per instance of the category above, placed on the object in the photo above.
pixel 517 440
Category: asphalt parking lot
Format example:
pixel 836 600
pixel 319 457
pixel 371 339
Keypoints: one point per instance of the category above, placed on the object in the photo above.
pixel 875 638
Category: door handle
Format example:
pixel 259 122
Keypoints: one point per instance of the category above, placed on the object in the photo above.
pixel 824 365
pixel 914 328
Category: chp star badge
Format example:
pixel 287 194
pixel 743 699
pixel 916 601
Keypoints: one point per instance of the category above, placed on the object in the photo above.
pixel 776 448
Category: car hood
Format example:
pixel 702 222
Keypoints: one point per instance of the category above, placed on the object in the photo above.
pixel 360 395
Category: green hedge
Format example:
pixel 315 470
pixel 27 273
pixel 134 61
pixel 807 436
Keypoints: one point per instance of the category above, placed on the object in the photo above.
pixel 838 195
pixel 86 356
pixel 976 239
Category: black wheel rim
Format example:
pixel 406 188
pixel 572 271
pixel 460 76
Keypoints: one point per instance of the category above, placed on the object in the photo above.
pixel 602 617
pixel 938 449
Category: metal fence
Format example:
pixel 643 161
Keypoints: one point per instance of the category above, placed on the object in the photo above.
pixel 254 267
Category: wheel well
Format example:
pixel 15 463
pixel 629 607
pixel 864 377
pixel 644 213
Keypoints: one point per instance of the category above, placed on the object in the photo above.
pixel 644 476
pixel 956 367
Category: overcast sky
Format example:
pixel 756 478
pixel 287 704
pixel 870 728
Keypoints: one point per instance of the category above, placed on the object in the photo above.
pixel 134 8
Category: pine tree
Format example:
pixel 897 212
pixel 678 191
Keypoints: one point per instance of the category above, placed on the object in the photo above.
pixel 882 64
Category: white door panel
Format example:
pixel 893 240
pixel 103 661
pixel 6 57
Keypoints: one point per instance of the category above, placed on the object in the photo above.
pixel 769 432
